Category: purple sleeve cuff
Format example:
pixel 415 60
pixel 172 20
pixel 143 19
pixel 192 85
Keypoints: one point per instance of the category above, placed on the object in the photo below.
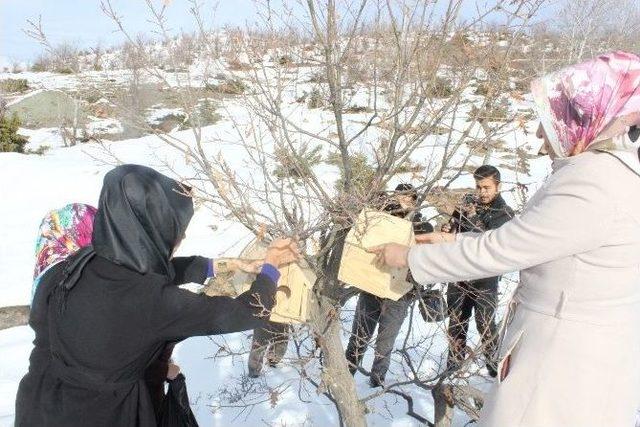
pixel 210 270
pixel 271 272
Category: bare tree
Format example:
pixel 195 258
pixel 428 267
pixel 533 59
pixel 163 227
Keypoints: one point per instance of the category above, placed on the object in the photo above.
pixel 591 26
pixel 98 52
pixel 392 82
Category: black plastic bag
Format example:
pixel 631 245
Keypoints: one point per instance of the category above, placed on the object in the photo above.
pixel 432 305
pixel 175 411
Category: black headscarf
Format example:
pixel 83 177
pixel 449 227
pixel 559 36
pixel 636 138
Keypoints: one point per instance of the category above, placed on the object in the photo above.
pixel 142 215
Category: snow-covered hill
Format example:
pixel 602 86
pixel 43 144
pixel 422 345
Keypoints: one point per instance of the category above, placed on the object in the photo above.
pixel 34 184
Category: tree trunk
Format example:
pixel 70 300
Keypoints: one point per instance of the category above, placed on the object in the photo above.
pixel 443 409
pixel 335 371
pixel 17 315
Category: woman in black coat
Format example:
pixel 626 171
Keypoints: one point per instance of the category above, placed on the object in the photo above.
pixel 105 314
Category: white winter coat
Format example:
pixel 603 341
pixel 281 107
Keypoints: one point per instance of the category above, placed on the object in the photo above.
pixel 574 333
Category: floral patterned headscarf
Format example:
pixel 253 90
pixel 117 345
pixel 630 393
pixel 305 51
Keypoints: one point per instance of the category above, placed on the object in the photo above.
pixel 62 233
pixel 590 105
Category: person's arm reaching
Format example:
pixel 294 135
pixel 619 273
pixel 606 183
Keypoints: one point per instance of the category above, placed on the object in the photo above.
pixel 572 216
pixel 197 269
pixel 182 314
pixel 193 269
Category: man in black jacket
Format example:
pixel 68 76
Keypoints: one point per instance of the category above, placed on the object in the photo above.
pixel 385 313
pixel 485 210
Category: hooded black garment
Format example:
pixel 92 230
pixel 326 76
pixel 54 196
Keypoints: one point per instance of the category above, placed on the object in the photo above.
pixel 121 305
pixel 142 215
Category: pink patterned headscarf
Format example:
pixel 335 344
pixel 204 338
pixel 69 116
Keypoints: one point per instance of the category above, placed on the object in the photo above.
pixel 62 233
pixel 589 102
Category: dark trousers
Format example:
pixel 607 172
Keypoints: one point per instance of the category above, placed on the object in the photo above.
pixel 482 297
pixel 370 312
pixel 273 340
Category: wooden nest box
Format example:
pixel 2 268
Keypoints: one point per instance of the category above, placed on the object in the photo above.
pixel 293 292
pixel 357 267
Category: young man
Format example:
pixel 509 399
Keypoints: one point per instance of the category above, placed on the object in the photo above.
pixel 387 314
pixel 485 210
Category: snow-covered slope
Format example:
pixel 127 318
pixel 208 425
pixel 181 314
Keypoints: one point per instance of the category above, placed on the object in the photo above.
pixel 33 184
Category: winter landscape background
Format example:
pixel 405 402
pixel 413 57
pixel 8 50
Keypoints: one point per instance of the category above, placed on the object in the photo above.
pixel 85 109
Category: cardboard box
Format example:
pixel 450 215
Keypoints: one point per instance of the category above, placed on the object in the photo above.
pixel 357 266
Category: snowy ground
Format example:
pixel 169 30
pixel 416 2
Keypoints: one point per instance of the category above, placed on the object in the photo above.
pixel 65 175
pixel 33 184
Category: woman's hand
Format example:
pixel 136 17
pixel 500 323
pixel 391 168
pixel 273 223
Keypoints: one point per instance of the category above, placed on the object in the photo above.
pixel 246 266
pixel 391 255
pixel 282 252
pixel 435 237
